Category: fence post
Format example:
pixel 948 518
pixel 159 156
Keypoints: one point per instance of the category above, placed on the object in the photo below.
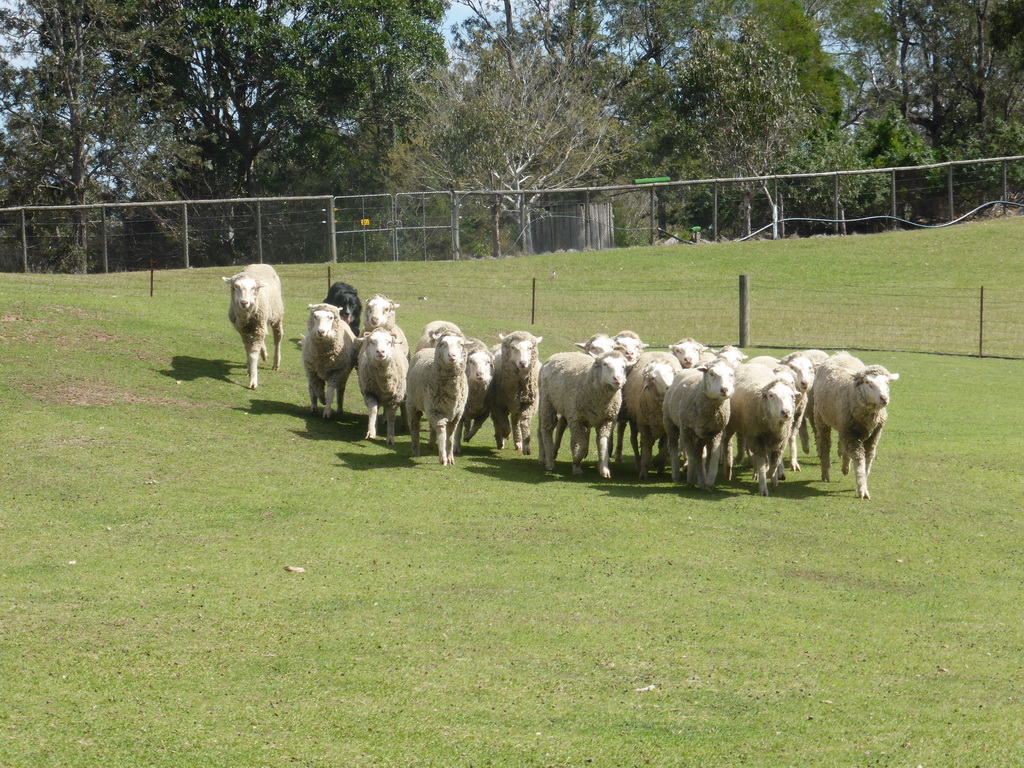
pixel 892 200
pixel 981 323
pixel 586 220
pixel 332 240
pixel 184 233
pixel 744 311
pixel 835 202
pixel 1004 191
pixel 651 236
pixel 455 204
pixel 24 243
pixel 103 238
pixel 714 215
pixel 533 302
pixel 259 232
pixel 949 190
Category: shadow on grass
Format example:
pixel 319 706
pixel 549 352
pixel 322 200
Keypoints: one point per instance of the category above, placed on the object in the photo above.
pixel 185 368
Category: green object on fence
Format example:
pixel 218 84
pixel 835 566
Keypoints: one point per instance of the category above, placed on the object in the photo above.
pixel 695 229
pixel 652 180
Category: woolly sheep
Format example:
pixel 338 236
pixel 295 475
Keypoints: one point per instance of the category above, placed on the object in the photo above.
pixel 731 355
pixel 599 343
pixel 516 365
pixel 688 352
pixel 433 331
pixel 850 398
pixel 583 392
pixel 761 415
pixel 696 413
pixel 328 353
pixel 479 379
pixel 383 369
pixel 255 304
pixel 437 389
pixel 816 357
pixel 629 343
pixel 380 313
pixel 803 379
pixel 642 398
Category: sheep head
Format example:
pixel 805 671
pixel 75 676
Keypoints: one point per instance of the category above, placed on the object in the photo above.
pixel 687 352
pixel 719 380
pixel 872 385
pixel 780 401
pixel 323 321
pixel 244 289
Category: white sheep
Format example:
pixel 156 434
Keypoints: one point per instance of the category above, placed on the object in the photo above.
pixel 731 355
pixel 688 352
pixel 432 331
pixel 437 389
pixel 803 379
pixel 761 416
pixel 382 369
pixel 255 304
pixel 582 392
pixel 599 343
pixel 631 346
pixel 516 365
pixel 850 398
pixel 816 357
pixel 480 397
pixel 642 398
pixel 379 312
pixel 696 413
pixel 328 354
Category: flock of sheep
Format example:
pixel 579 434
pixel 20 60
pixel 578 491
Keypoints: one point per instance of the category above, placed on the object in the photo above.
pixel 689 402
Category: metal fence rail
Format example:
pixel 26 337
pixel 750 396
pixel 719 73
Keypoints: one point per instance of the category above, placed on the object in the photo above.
pixel 494 223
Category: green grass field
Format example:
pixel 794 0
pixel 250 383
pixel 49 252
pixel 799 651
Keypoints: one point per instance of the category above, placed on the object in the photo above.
pixel 491 613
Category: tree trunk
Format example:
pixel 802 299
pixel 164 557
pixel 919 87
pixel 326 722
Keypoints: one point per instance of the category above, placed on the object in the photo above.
pixel 496 227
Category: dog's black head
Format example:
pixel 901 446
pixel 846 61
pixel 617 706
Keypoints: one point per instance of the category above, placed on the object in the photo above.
pixel 346 299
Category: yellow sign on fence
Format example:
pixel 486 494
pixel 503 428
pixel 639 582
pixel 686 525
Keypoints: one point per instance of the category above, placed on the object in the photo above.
pixel 365 222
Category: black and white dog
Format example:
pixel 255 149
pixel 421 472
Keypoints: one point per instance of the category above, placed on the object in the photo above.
pixel 346 299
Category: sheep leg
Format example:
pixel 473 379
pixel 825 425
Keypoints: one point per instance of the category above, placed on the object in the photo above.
pixel 637 451
pixel 672 435
pixel 693 462
pixel 604 448
pixel 714 450
pixel 794 461
pixel 278 330
pixel 560 426
pixel 472 427
pixel 579 445
pixel 371 418
pixel 620 435
pixel 823 438
pixel 775 471
pixel 760 462
pixel 870 445
pixel 522 425
pixel 727 455
pixel 340 392
pixel 414 417
pixel 329 395
pixel 502 429
pixel 860 472
pixel 805 437
pixel 646 450
pixel 253 343
pixel 389 417
pixel 315 386
pixel 545 427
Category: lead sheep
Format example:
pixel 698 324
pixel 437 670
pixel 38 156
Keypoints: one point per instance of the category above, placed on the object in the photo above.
pixel 688 352
pixel 631 346
pixel 328 353
pixel 383 369
pixel 255 304
pixel 642 403
pixel 582 392
pixel 850 398
pixel 516 366
pixel 432 331
pixel 380 313
pixel 480 397
pixel 761 416
pixel 437 389
pixel 696 413
pixel 803 379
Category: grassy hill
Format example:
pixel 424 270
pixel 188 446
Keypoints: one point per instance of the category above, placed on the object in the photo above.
pixel 492 613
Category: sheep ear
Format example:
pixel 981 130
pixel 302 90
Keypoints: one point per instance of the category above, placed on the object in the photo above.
pixel 540 339
pixel 594 353
pixel 893 376
pixel 228 279
pixel 581 344
pixel 702 368
pixel 395 305
pixel 702 348
pixel 644 346
pixel 311 306
pixel 501 336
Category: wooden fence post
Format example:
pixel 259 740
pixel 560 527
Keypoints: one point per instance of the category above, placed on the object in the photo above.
pixel 981 323
pixel 744 311
pixel 24 243
pixel 184 233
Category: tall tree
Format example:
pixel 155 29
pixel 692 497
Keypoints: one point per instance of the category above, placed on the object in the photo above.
pixel 254 77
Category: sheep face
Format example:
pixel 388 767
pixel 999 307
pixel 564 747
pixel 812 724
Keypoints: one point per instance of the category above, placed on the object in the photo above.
pixel 630 345
pixel 781 401
pixel 523 353
pixel 719 380
pixel 380 310
pixel 244 290
pixel 731 355
pixel 804 371
pixel 322 320
pixel 451 350
pixel 380 345
pixel 873 385
pixel 687 352
pixel 599 344
pixel 613 370
pixel 480 367
pixel 658 377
